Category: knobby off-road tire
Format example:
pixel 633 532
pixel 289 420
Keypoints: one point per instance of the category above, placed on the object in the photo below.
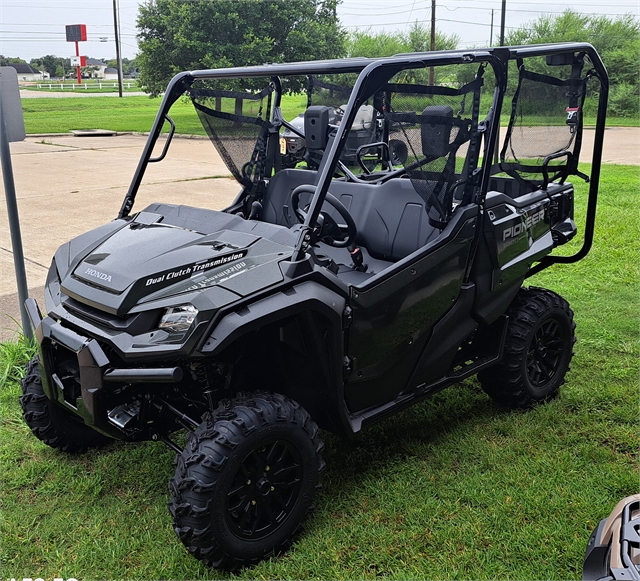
pixel 52 424
pixel 245 480
pixel 537 352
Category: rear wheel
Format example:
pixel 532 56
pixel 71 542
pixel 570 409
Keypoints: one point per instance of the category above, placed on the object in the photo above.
pixel 52 424
pixel 537 352
pixel 245 480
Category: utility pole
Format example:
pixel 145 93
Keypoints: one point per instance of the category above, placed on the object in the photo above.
pixel 504 14
pixel 117 35
pixel 433 39
pixel 491 37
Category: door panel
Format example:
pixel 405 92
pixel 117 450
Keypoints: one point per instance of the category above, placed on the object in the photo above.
pixel 393 319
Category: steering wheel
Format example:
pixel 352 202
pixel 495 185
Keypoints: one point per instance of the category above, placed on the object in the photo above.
pixel 327 229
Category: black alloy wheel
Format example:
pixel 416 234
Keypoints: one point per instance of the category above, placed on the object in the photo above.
pixel 265 489
pixel 545 353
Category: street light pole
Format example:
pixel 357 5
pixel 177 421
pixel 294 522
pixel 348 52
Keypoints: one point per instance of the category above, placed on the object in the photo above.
pixel 117 36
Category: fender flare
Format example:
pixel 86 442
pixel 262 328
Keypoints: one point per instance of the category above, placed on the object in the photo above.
pixel 301 299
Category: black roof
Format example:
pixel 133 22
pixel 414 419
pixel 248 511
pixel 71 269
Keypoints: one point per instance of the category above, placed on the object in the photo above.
pixel 24 68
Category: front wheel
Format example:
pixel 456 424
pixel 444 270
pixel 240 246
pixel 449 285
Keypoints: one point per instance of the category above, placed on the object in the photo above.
pixel 245 480
pixel 537 352
pixel 50 423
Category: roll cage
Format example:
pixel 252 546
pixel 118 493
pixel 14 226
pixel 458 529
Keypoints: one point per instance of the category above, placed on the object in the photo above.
pixel 373 74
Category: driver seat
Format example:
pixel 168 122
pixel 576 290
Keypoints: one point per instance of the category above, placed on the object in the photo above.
pixel 276 202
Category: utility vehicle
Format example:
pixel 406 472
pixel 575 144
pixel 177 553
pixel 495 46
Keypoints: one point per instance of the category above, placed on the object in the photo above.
pixel 366 132
pixel 324 296
pixel 613 550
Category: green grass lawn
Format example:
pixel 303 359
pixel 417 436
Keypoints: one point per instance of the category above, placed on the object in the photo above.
pixel 135 113
pixel 131 113
pixel 454 488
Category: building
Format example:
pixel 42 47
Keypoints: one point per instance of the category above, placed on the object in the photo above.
pixel 94 70
pixel 28 73
pixel 111 74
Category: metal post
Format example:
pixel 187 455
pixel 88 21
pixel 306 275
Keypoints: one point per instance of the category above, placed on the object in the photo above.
pixel 78 68
pixel 491 37
pixel 117 35
pixel 502 21
pixel 14 223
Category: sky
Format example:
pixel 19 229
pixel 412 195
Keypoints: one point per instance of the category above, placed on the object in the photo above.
pixel 34 28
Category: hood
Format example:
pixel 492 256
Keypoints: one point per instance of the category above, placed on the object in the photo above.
pixel 154 257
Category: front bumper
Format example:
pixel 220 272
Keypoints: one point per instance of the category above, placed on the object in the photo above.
pixel 75 369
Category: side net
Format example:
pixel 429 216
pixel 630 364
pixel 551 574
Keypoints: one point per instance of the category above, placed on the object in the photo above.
pixel 331 91
pixel 238 124
pixel 433 133
pixel 544 135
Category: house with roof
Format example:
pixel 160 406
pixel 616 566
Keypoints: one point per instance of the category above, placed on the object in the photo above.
pixel 111 74
pixel 28 73
pixel 95 69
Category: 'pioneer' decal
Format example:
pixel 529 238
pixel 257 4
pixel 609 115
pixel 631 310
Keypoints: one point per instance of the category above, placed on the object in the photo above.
pixel 526 224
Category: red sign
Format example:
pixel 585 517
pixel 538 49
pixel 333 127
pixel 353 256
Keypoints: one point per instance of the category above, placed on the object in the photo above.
pixel 76 32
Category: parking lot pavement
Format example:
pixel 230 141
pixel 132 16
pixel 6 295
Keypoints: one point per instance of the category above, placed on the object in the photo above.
pixel 621 145
pixel 67 185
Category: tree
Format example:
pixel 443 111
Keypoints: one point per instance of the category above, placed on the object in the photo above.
pixel 616 40
pixel 54 65
pixel 11 60
pixel 128 65
pixel 417 39
pixel 46 63
pixel 175 35
pixel 380 44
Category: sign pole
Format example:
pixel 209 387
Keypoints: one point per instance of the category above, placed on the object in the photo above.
pixel 14 223
pixel 502 21
pixel 77 33
pixel 78 68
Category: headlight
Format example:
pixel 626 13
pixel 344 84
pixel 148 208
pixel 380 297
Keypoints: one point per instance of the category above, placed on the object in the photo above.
pixel 178 319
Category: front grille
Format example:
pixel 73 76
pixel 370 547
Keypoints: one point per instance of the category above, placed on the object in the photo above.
pixel 132 324
pixel 66 373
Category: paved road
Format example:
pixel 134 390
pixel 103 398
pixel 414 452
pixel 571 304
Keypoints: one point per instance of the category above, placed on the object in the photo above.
pixel 67 185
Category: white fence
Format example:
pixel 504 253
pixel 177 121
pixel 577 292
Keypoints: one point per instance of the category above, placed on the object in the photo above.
pixel 75 86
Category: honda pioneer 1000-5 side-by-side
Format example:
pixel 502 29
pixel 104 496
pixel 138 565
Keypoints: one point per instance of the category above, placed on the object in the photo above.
pixel 334 291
